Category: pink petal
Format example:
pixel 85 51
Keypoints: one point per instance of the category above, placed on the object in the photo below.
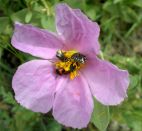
pixel 35 41
pixel 73 103
pixel 77 30
pixel 108 83
pixel 34 85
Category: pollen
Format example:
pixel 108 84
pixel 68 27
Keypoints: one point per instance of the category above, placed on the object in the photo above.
pixel 69 62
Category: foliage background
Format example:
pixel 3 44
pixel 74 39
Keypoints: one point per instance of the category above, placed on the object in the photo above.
pixel 121 43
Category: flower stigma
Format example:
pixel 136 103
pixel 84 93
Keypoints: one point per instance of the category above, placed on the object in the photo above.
pixel 70 62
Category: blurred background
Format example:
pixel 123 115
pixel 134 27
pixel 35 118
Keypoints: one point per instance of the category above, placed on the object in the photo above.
pixel 121 43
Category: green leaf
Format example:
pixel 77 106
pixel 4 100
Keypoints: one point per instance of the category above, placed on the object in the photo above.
pixel 100 116
pixel 117 1
pixel 44 21
pixel 28 17
pixel 19 16
pixel 129 15
pixel 91 13
pixel 138 3
pixel 53 126
pixel 48 22
pixel 3 24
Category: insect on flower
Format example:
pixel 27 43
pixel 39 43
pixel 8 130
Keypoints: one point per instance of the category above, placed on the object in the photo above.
pixel 68 84
pixel 70 62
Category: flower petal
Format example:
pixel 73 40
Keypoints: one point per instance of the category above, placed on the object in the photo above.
pixel 76 29
pixel 35 41
pixel 73 103
pixel 108 83
pixel 34 85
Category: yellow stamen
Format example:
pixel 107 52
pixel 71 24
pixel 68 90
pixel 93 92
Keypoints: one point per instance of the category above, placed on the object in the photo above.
pixel 70 66
pixel 68 54
pixel 73 75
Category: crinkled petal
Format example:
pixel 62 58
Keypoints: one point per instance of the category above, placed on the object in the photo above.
pixel 107 82
pixel 35 41
pixel 77 30
pixel 73 103
pixel 34 85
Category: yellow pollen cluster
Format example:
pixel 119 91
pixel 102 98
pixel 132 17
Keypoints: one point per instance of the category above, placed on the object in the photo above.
pixel 69 65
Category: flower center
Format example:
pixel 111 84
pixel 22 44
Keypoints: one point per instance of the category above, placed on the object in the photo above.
pixel 69 62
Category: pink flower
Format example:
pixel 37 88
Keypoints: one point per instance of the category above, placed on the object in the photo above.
pixel 68 84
